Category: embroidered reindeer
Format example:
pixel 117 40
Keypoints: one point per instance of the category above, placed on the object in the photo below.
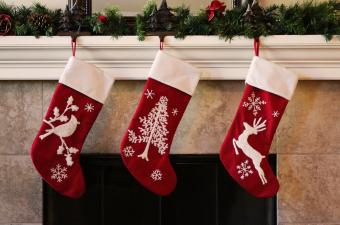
pixel 247 149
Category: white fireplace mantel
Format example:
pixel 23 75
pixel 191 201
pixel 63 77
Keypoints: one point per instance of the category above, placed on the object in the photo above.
pixel 126 58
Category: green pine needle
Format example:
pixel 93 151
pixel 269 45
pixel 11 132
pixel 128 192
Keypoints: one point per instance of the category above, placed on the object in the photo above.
pixel 309 18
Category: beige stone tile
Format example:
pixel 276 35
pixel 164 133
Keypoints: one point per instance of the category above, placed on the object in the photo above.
pixel 20 115
pixel 309 190
pixel 311 123
pixel 20 223
pixel 338 223
pixel 208 117
pixel 20 191
pixel 48 90
pixel 202 129
pixel 113 120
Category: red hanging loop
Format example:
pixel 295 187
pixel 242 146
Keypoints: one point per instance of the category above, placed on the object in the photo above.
pixel 161 42
pixel 257 46
pixel 74 46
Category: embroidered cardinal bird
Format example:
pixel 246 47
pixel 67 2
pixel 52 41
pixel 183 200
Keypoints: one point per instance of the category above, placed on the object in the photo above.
pixel 215 5
pixel 64 130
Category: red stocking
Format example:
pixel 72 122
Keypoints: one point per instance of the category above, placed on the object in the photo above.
pixel 77 100
pixel 147 142
pixel 244 152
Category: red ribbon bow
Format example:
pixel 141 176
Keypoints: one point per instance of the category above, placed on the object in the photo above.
pixel 215 5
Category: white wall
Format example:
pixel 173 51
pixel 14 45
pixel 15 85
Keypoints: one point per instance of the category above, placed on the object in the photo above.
pixel 137 5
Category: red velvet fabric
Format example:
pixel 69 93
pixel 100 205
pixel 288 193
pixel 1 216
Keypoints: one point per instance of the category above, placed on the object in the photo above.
pixel 58 163
pixel 251 135
pixel 156 174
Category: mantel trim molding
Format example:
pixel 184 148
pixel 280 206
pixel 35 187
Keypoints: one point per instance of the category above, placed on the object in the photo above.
pixel 126 58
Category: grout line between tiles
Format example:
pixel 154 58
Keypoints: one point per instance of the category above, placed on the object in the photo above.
pixel 310 154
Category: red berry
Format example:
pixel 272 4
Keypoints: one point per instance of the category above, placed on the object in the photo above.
pixel 215 5
pixel 102 18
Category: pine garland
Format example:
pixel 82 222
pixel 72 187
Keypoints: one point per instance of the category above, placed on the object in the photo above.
pixel 6 9
pixel 308 18
pixel 36 20
pixel 21 26
pixel 298 19
pixel 111 22
pixel 231 24
pixel 142 20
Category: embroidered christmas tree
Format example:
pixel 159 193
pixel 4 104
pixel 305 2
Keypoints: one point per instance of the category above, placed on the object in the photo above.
pixel 153 130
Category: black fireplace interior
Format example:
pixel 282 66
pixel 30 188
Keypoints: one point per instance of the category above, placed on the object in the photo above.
pixel 205 195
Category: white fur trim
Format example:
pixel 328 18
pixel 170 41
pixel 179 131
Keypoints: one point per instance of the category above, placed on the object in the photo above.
pixel 272 78
pixel 174 72
pixel 86 79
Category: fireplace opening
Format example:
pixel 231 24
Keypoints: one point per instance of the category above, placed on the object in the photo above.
pixel 205 195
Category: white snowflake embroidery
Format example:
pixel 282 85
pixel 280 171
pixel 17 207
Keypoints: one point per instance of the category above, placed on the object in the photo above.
pixel 244 169
pixel 175 112
pixel 156 175
pixel 276 114
pixel 89 107
pixel 153 130
pixel 254 103
pixel 128 151
pixel 59 173
pixel 64 130
pixel 149 94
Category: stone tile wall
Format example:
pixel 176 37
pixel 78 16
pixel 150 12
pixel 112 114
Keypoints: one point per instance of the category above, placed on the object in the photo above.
pixel 307 143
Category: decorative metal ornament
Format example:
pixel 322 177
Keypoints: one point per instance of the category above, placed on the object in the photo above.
pixel 66 20
pixel 5 24
pixel 249 13
pixel 84 5
pixel 255 3
pixel 241 3
pixel 255 6
pixel 74 16
pixel 161 19
pixel 77 11
pixel 254 13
